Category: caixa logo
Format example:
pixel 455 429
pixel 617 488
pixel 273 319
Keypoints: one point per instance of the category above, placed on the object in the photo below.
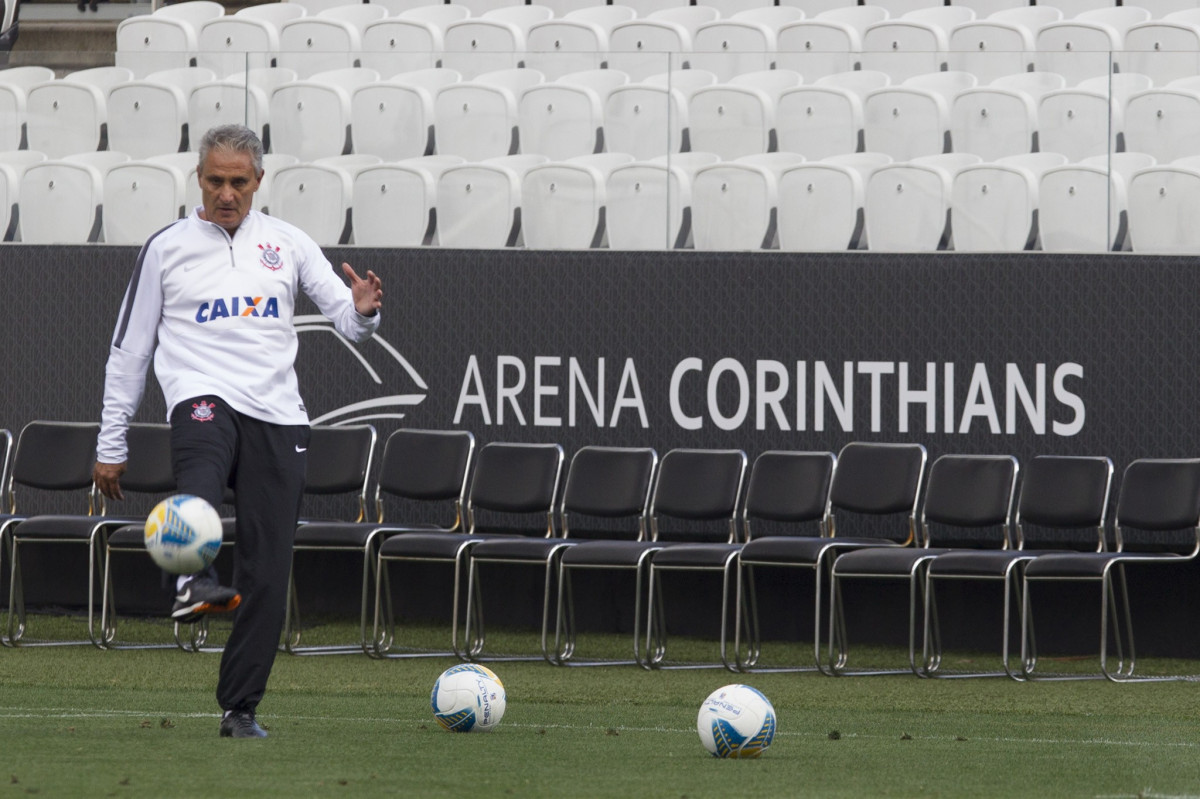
pixel 221 308
pixel 383 366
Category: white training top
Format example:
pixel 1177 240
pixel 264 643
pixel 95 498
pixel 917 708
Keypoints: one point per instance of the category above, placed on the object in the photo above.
pixel 216 314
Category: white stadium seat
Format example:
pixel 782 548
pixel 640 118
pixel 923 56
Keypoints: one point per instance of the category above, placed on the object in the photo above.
pixel 248 39
pixel 1087 45
pixel 310 119
pixel 559 47
pixel 476 46
pixel 650 202
pixel 395 204
pixel 1165 122
pixel 394 119
pixel 1088 119
pixel 565 118
pixel 166 39
pixel 1083 207
pixel 915 44
pixel 826 118
pixel 1163 49
pixel 62 200
pixel 318 197
pixel 913 119
pixel 563 203
pixel 650 118
pixel 69 115
pixel 995 204
pixel 13 164
pixel 737 118
pixel 731 47
pixel 143 196
pixel 908 203
pixel 1001 119
pixel 822 204
pixel 272 163
pixel 479 119
pixel 1162 208
pixel 149 117
pixel 645 47
pixel 329 40
pixel 243 98
pixel 479 204
pixel 392 46
pixel 735 203
pixel 15 83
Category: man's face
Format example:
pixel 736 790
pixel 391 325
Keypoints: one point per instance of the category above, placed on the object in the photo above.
pixel 227 185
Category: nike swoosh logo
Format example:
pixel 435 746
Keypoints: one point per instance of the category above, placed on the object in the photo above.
pixel 301 449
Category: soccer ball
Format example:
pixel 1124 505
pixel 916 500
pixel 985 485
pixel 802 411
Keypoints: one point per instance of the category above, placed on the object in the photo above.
pixel 736 721
pixel 468 698
pixel 183 534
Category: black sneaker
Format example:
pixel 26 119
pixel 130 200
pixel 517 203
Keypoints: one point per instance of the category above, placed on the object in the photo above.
pixel 203 595
pixel 241 724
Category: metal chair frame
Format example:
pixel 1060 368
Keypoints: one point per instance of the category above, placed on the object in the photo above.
pixel 1056 490
pixel 964 492
pixel 1147 502
pixel 636 505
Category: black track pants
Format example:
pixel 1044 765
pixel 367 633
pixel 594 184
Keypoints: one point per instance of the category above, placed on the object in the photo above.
pixel 214 446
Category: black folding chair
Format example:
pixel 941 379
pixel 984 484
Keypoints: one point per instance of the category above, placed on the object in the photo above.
pixel 1060 496
pixel 879 483
pixel 966 494
pixel 517 481
pixel 339 465
pixel 57 458
pixel 1157 523
pixel 603 482
pixel 788 496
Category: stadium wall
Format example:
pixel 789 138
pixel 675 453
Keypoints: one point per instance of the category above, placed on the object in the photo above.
pixel 1023 354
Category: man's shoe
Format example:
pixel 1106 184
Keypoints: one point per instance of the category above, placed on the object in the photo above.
pixel 201 596
pixel 241 724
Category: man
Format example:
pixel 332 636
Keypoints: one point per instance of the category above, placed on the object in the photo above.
pixel 212 298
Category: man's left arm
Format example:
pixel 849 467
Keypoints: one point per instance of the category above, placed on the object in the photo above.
pixel 353 309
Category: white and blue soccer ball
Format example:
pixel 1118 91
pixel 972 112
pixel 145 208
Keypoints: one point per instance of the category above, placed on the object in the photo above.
pixel 736 721
pixel 183 534
pixel 468 698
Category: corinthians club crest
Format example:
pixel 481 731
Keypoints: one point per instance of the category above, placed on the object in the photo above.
pixel 270 257
pixel 204 411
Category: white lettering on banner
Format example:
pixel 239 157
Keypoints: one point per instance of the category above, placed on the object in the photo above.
pixel 511 381
pixel 722 395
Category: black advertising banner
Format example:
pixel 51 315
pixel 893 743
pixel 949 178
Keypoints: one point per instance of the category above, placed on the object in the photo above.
pixel 1023 354
pixel 1016 353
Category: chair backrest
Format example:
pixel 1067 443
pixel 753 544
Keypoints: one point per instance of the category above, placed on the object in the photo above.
pixel 698 485
pixel 970 492
pixel 1159 496
pixel 516 479
pixel 878 480
pixel 1062 494
pixel 149 465
pixel 429 467
pixel 339 462
pixel 791 489
pixel 53 456
pixel 610 483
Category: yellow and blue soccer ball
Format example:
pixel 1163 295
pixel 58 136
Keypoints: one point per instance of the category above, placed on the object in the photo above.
pixel 468 698
pixel 736 721
pixel 183 534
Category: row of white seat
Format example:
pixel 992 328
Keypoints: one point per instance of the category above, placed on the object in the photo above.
pixel 920 41
pixel 777 201
pixel 515 111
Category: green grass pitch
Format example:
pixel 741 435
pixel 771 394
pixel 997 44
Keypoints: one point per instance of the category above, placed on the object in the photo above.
pixel 79 722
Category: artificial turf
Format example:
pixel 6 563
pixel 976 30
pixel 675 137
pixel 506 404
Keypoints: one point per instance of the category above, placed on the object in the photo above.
pixel 77 721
